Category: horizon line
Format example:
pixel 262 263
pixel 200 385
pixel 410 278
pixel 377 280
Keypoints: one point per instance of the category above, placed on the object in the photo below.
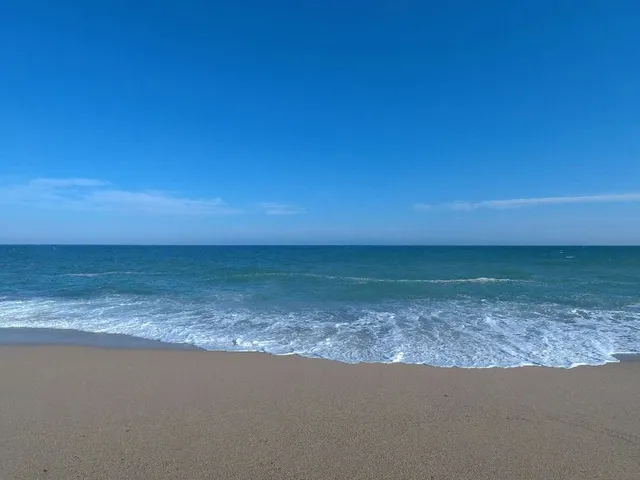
pixel 418 245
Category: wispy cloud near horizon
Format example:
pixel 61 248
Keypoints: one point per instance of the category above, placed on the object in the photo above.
pixel 159 203
pixel 66 182
pixel 272 208
pixel 99 195
pixel 529 202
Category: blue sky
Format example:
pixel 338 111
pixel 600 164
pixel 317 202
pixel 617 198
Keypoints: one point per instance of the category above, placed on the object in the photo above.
pixel 320 122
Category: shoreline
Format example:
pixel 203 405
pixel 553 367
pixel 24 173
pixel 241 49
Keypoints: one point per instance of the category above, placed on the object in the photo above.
pixel 32 337
pixel 82 412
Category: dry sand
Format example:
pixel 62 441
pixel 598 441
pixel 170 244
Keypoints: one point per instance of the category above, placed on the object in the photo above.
pixel 72 412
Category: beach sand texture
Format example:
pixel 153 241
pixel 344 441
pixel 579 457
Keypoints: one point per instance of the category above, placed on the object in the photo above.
pixel 91 413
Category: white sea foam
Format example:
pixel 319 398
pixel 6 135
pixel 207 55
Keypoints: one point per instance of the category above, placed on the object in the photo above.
pixel 381 280
pixel 102 274
pixel 461 332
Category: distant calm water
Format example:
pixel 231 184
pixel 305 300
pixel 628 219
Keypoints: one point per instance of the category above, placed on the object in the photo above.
pixel 459 306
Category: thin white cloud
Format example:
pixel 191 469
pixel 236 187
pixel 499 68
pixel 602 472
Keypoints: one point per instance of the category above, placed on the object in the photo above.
pixel 158 203
pixel 271 208
pixel 530 202
pixel 49 190
pixel 422 207
pixel 66 182
pixel 92 194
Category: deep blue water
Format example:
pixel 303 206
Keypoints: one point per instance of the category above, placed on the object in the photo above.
pixel 449 306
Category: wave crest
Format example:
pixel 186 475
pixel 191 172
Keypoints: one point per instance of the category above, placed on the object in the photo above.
pixel 102 274
pixel 382 280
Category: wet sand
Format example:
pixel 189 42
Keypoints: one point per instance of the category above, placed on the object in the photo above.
pixel 75 412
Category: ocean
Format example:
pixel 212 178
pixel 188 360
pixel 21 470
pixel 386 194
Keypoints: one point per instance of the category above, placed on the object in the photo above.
pixel 444 306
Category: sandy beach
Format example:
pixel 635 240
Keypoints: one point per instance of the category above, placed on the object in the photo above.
pixel 74 412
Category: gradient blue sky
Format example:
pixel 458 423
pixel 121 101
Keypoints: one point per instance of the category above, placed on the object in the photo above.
pixel 320 122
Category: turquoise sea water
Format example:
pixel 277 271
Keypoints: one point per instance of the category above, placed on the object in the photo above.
pixel 448 306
